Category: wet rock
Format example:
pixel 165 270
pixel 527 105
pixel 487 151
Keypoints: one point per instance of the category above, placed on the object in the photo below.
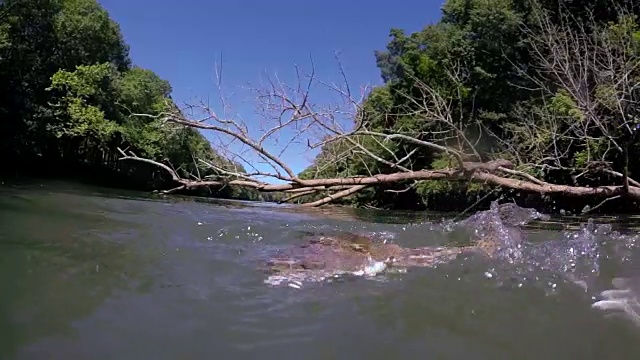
pixel 623 299
pixel 495 233
pixel 319 256
pixel 323 256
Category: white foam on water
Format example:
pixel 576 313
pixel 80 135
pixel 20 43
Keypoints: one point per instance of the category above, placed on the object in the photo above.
pixel 297 279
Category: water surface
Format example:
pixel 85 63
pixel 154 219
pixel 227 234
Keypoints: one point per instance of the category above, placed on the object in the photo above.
pixel 91 273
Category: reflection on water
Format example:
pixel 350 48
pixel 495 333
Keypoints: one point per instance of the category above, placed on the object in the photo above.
pixel 90 273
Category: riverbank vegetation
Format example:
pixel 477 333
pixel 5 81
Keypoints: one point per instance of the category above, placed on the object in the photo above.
pixel 69 89
pixel 535 101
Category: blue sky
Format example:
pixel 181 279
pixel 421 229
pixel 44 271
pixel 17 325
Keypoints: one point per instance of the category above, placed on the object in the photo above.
pixel 182 41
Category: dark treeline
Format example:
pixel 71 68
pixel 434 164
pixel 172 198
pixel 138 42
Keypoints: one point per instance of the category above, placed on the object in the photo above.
pixel 487 60
pixel 69 89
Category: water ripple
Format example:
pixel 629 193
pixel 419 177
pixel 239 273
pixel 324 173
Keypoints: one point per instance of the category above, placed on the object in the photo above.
pixel 89 275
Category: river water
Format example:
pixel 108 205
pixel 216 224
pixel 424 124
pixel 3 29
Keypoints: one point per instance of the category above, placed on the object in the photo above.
pixel 92 273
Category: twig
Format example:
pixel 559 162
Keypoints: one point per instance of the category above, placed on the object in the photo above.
pixel 336 196
pixel 601 203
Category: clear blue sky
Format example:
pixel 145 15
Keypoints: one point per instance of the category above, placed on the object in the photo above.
pixel 182 40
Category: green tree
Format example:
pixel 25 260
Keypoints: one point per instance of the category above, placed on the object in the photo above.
pixel 481 61
pixel 76 98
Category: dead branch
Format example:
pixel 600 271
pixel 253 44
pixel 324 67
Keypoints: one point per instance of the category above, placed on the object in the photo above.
pixel 584 212
pixel 336 196
pixel 298 195
pixel 358 183
pixel 347 140
pixel 591 73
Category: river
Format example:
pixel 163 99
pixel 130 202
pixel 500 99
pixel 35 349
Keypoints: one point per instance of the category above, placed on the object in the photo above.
pixel 95 273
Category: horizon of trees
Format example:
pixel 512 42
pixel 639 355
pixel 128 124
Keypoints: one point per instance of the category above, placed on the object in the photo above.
pixel 70 91
pixel 530 100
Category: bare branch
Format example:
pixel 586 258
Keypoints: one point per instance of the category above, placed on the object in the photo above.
pixel 413 140
pixel 298 195
pixel 336 196
pixel 601 203
pixel 356 153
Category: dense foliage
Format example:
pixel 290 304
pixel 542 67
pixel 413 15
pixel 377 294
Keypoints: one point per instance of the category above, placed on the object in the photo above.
pixel 551 85
pixel 481 58
pixel 70 91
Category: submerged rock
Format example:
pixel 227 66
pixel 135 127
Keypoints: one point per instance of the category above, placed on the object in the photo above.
pixel 352 253
pixel 325 256
pixel 622 299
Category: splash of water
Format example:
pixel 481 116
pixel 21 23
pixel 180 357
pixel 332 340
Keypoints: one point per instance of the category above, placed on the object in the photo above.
pixel 575 258
pixel 498 225
pixel 577 254
pixel 297 279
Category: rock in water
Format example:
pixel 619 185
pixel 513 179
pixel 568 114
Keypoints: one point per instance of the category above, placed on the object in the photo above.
pixel 623 298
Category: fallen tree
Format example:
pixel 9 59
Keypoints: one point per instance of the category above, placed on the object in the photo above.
pixel 590 77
